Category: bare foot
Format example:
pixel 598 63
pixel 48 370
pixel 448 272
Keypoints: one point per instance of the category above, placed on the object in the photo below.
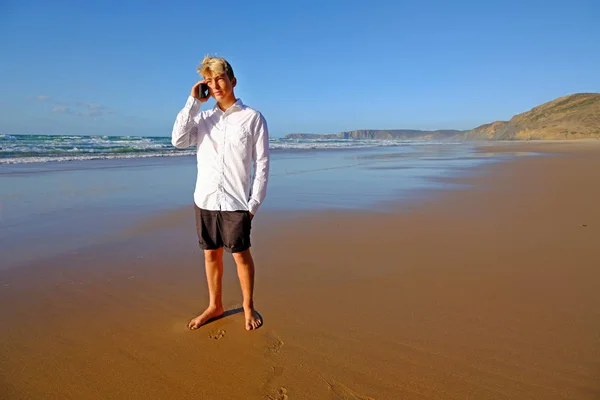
pixel 210 313
pixel 253 320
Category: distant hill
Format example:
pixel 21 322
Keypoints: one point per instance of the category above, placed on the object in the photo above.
pixel 575 116
pixel 401 134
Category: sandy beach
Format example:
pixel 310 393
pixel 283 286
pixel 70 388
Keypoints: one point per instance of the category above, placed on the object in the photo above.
pixel 489 291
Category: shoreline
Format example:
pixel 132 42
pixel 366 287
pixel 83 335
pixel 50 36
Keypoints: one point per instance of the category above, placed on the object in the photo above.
pixel 486 291
pixel 42 161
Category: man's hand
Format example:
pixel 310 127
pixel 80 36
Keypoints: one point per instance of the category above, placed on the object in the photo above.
pixel 195 93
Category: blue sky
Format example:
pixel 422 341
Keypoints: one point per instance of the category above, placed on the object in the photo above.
pixel 126 68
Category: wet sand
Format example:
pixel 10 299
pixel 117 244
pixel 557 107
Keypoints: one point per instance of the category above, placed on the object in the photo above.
pixel 485 292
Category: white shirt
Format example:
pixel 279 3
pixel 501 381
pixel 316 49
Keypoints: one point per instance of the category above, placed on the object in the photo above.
pixel 229 145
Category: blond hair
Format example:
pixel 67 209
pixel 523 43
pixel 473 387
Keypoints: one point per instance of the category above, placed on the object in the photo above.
pixel 215 66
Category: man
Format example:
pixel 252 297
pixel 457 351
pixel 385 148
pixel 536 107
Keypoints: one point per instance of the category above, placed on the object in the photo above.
pixel 231 139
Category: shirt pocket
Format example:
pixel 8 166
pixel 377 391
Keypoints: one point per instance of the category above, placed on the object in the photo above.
pixel 238 136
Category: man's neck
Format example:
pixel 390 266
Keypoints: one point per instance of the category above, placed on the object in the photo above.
pixel 226 103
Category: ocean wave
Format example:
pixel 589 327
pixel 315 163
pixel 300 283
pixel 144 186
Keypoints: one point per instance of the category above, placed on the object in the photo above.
pixel 34 159
pixel 15 149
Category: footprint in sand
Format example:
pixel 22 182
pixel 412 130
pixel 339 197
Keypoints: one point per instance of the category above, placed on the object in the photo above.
pixel 275 343
pixel 280 395
pixel 275 373
pixel 216 335
pixel 341 392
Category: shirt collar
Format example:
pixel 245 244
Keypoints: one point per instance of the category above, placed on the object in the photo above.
pixel 237 105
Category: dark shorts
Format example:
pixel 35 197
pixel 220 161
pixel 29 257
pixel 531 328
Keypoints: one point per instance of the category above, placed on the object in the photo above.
pixel 228 229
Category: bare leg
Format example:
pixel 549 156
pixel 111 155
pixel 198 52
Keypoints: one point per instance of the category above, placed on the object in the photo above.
pixel 213 263
pixel 245 268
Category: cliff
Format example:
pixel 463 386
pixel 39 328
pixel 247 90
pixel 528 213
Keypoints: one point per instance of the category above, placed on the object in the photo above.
pixel 575 116
pixel 397 134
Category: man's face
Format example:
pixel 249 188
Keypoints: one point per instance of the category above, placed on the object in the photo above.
pixel 221 87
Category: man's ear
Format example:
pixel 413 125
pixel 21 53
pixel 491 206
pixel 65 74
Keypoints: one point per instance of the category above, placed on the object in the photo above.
pixel 234 82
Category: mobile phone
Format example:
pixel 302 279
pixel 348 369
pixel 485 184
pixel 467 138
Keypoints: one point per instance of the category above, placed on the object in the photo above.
pixel 203 90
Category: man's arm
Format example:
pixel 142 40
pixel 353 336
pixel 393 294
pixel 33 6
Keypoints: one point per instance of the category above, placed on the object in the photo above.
pixel 185 129
pixel 260 159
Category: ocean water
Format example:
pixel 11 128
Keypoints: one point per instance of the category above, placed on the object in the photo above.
pixel 19 149
pixel 61 203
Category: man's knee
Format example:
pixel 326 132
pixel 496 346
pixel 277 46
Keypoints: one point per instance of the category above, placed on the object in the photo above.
pixel 242 257
pixel 213 255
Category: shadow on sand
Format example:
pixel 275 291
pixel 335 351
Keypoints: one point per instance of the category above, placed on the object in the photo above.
pixel 229 313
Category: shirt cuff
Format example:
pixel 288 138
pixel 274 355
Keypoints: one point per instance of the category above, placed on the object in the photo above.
pixel 253 206
pixel 192 105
